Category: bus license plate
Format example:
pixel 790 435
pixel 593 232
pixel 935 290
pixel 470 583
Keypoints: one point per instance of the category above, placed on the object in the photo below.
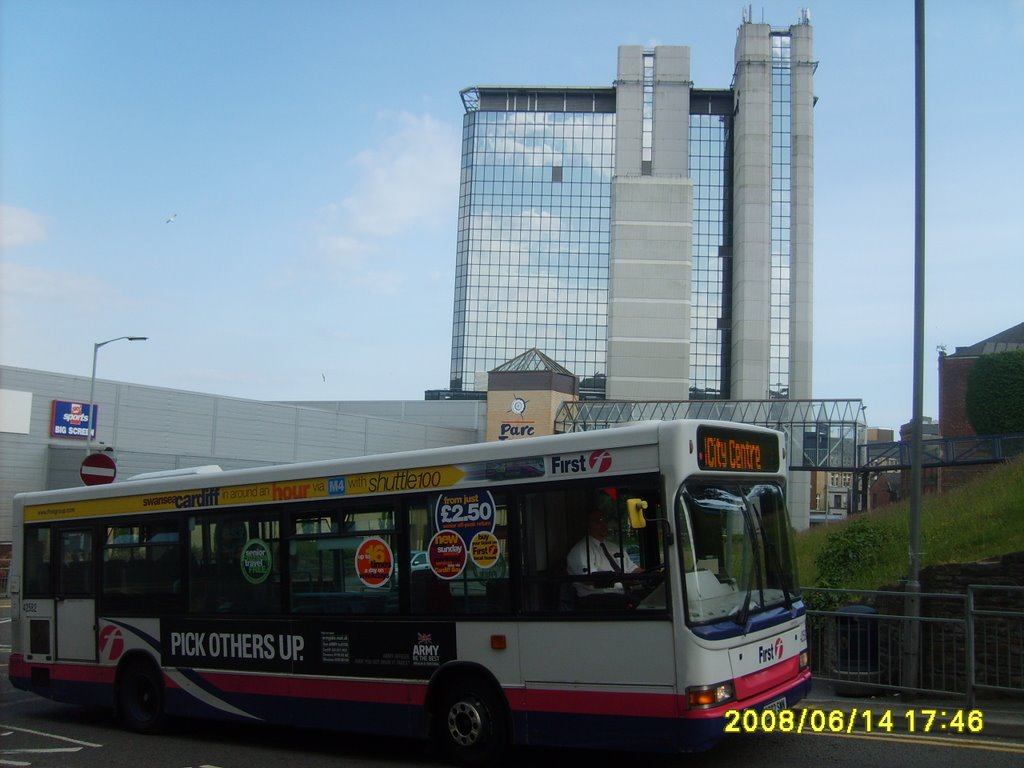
pixel 775 706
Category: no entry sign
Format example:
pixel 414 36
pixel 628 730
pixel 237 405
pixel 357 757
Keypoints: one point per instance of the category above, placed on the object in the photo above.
pixel 97 469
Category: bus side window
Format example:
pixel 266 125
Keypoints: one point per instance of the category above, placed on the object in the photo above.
pixel 581 552
pixel 548 533
pixel 76 562
pixel 341 560
pixel 461 568
pixel 37 568
pixel 221 580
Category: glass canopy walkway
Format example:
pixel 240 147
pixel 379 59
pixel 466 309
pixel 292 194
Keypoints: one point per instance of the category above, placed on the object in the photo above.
pixel 823 434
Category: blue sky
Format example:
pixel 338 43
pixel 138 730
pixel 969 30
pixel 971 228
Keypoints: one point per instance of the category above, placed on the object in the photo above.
pixel 310 152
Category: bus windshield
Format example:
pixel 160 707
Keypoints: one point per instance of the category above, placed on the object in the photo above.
pixel 737 550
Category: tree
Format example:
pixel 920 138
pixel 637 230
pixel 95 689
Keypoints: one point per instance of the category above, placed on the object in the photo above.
pixel 995 393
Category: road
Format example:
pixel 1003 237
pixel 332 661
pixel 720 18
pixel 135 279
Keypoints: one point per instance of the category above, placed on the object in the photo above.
pixel 38 733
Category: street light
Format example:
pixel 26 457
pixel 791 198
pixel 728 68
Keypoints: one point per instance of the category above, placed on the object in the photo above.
pixel 92 386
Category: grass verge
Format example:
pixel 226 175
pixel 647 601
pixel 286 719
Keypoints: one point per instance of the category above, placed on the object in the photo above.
pixel 979 520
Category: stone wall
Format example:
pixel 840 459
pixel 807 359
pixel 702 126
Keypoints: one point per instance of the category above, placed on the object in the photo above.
pixel 999 641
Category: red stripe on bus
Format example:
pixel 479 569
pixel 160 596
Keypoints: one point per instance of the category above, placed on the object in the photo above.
pixel 783 688
pixel 665 705
pixel 572 701
pixel 72 673
pixel 314 688
pixel 762 680
pixel 601 702
pixel 17 666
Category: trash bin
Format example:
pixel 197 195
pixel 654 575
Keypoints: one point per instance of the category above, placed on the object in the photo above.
pixel 855 666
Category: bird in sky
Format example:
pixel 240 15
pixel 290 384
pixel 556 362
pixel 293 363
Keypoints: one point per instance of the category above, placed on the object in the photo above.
pixel 171 220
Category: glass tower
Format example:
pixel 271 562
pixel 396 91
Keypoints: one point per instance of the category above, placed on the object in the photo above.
pixel 651 228
pixel 532 254
pixel 710 169
pixel 778 362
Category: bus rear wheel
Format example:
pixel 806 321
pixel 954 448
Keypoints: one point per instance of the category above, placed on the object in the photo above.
pixel 140 697
pixel 470 724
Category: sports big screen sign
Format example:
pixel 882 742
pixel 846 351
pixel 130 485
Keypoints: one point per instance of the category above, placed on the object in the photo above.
pixel 72 420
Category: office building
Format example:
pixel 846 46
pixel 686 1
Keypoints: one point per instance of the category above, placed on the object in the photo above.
pixel 652 237
pixel 150 429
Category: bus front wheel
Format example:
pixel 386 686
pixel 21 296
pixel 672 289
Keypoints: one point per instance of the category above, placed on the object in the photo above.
pixel 140 696
pixel 470 723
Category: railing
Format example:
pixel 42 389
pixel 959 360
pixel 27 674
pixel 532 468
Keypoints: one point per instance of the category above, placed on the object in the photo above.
pixel 941 452
pixel 969 644
pixel 996 641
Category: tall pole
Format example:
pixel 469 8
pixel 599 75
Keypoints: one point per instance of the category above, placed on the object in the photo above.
pixel 92 387
pixel 912 642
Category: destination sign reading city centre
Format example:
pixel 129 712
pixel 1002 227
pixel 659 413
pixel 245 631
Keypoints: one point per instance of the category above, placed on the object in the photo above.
pixel 721 449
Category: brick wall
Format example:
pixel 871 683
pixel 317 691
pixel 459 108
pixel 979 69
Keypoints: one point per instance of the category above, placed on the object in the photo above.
pixel 953 421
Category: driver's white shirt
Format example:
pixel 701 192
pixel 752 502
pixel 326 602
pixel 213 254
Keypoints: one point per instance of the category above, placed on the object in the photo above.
pixel 587 557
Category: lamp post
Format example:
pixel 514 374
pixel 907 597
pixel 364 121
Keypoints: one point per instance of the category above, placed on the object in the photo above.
pixel 92 386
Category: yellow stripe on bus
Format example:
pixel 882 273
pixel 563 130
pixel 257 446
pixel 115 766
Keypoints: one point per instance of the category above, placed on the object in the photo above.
pixel 368 483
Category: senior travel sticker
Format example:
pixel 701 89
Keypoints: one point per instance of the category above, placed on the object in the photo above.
pixel 257 561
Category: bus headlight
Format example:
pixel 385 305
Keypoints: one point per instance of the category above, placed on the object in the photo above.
pixel 703 696
pixel 805 660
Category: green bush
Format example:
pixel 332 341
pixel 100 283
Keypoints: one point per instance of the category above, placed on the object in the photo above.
pixel 995 393
pixel 847 551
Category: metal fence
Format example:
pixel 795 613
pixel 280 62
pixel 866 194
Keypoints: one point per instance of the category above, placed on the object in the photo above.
pixel 966 644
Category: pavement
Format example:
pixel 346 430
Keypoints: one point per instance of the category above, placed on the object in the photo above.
pixel 1000 717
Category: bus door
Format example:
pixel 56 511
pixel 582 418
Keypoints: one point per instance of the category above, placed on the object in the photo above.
pixel 609 629
pixel 76 595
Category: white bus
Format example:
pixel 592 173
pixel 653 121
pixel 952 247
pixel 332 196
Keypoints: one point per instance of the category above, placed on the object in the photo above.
pixel 621 589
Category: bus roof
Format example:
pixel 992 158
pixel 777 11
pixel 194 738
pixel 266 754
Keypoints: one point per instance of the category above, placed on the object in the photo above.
pixel 638 434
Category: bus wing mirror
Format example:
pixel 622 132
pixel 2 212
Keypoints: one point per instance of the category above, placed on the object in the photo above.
pixel 636 509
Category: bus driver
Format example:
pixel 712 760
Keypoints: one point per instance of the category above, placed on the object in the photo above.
pixel 594 554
